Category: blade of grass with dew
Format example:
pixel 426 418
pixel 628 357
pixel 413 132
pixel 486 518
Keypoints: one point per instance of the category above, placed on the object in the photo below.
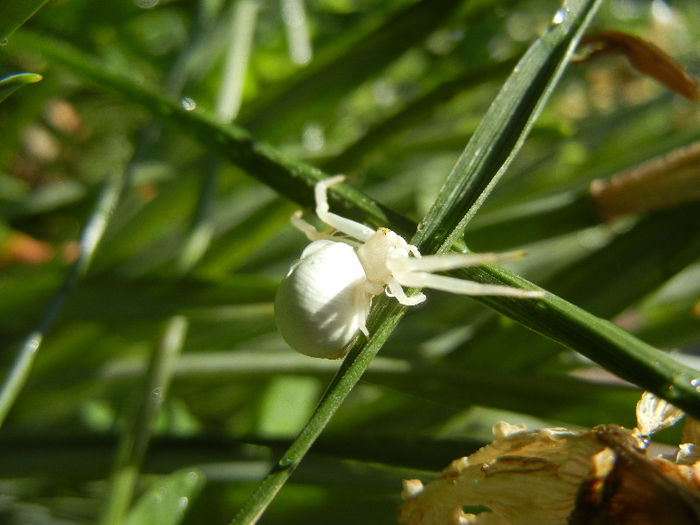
pixel 505 126
pixel 14 13
pixel 89 240
pixel 11 83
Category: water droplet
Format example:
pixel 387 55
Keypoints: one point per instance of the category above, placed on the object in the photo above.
pixel 33 342
pixel 285 463
pixel 695 383
pixel 182 503
pixel 559 16
pixel 156 394
pixel 3 42
pixel 188 104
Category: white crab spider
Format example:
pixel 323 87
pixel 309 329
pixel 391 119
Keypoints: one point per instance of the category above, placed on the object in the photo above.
pixel 325 298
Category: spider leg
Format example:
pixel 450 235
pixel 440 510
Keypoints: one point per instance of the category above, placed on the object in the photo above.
pixel 314 235
pixel 395 290
pixel 450 261
pixel 307 229
pixel 461 286
pixel 347 226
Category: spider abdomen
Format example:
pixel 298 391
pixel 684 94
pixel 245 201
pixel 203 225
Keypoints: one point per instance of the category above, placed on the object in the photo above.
pixel 323 301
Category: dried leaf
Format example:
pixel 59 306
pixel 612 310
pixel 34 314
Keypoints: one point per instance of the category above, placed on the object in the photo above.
pixel 654 414
pixel 662 182
pixel 523 477
pixel 627 487
pixel 554 476
pixel 646 57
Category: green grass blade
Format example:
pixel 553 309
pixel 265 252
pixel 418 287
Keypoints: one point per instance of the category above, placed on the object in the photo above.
pixel 11 83
pixel 89 240
pixel 14 13
pixel 601 341
pixel 446 385
pixel 503 129
pixel 166 502
pixel 135 439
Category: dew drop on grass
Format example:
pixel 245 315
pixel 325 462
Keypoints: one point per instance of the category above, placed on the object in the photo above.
pixel 188 104
pixel 695 383
pixel 559 16
pixel 3 42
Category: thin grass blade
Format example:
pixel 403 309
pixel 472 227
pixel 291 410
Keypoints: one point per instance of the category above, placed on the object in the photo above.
pixel 11 83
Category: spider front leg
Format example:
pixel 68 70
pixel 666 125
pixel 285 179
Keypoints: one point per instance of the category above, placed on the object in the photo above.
pixel 347 226
pixel 463 287
pixel 450 261
pixel 416 272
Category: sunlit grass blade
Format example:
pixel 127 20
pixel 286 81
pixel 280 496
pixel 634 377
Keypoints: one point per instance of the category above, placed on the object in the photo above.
pixel 11 83
pixel 598 339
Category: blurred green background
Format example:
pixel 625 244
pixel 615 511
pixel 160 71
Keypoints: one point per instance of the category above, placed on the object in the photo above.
pixel 175 306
